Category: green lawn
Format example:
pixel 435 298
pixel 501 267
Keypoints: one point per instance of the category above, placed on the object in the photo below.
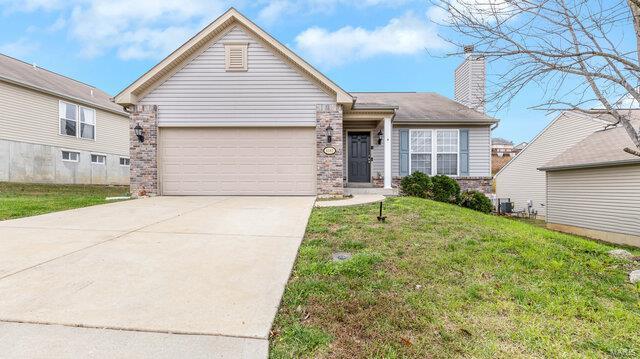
pixel 441 281
pixel 23 199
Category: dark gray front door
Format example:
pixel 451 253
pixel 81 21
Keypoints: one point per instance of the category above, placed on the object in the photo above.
pixel 359 153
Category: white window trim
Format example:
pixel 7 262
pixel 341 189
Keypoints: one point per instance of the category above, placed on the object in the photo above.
pixel 98 163
pixel 128 158
pixel 70 151
pixel 434 150
pixel 244 47
pixel 78 127
pixel 60 102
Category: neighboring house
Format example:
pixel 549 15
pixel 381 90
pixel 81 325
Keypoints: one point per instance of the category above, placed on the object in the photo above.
pixel 234 112
pixel 593 188
pixel 521 181
pixel 501 153
pixel 58 130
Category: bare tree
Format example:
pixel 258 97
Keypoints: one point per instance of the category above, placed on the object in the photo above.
pixel 575 50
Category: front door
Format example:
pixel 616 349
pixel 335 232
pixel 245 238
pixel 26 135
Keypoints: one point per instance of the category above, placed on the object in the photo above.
pixel 359 157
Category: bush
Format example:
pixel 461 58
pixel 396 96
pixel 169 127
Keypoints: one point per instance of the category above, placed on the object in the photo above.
pixel 477 201
pixel 445 189
pixel 417 184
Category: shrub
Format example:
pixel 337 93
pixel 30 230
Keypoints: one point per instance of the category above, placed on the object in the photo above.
pixel 476 200
pixel 445 189
pixel 416 184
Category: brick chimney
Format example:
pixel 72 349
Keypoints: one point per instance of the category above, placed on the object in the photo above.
pixel 470 77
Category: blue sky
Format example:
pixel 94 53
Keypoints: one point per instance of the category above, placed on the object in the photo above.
pixel 363 45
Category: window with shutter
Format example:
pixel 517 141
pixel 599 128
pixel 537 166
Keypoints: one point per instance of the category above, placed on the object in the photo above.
pixel 236 57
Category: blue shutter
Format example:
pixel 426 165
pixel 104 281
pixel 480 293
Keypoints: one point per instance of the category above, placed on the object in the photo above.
pixel 404 152
pixel 464 152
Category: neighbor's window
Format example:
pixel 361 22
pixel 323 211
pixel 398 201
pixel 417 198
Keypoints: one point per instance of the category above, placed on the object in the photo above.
pixel 68 114
pixel 447 152
pixel 420 149
pixel 87 123
pixel 70 156
pixel 98 159
pixel 124 161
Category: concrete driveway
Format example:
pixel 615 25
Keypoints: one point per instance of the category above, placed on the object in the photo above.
pixel 157 277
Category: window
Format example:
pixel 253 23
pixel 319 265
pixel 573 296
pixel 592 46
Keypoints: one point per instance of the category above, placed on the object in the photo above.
pixel 70 156
pixel 420 151
pixel 68 114
pixel 98 159
pixel 87 123
pixel 434 151
pixel 235 56
pixel 447 152
pixel 124 161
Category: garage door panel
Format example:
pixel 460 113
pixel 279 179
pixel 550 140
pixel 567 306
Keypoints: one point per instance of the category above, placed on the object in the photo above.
pixel 238 161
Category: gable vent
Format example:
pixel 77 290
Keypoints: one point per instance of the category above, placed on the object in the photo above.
pixel 236 57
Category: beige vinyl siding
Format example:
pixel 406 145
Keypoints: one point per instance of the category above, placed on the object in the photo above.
pixel 520 179
pixel 604 199
pixel 470 78
pixel 32 117
pixel 479 148
pixel 269 93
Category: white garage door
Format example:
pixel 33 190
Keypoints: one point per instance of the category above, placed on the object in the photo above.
pixel 237 161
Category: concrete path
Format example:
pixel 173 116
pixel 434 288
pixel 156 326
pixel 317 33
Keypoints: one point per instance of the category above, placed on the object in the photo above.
pixel 355 200
pixel 199 276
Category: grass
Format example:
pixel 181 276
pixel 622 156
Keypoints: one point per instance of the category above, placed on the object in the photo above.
pixel 439 281
pixel 26 199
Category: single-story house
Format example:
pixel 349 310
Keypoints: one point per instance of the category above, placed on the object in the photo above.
pixel 593 188
pixel 234 112
pixel 521 181
pixel 58 130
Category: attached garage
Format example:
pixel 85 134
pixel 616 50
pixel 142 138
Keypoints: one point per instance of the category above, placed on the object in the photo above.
pixel 237 161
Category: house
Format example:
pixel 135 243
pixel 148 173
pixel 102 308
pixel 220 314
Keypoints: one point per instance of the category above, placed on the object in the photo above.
pixel 521 181
pixel 59 130
pixel 593 188
pixel 502 151
pixel 234 112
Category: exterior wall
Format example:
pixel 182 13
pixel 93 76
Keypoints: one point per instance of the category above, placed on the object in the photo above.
pixel 482 184
pixel 603 203
pixel 479 149
pixel 36 163
pixel 470 82
pixel 330 170
pixel 270 93
pixel 30 116
pixel 520 179
pixel 144 156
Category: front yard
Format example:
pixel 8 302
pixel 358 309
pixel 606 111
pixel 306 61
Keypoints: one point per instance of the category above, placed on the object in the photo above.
pixel 441 281
pixel 26 199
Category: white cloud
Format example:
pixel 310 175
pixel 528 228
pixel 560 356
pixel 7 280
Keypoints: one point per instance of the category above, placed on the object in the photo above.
pixel 481 10
pixel 406 35
pixel 58 25
pixel 19 48
pixel 276 10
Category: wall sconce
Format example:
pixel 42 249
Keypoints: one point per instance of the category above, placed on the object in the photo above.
pixel 380 137
pixel 329 132
pixel 138 132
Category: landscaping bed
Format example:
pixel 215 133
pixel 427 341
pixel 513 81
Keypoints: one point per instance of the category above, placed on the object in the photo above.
pixel 437 280
pixel 27 199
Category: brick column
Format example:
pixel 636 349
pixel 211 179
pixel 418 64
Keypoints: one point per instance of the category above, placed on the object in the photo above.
pixel 329 167
pixel 144 156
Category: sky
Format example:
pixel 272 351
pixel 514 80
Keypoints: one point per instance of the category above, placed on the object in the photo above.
pixel 362 45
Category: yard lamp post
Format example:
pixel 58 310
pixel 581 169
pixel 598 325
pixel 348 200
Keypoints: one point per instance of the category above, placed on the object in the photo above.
pixel 329 132
pixel 138 132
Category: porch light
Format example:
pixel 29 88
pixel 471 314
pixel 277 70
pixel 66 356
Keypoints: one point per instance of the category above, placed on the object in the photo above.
pixel 380 137
pixel 138 132
pixel 329 132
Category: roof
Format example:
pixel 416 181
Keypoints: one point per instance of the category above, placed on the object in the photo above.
pixel 602 148
pixel 422 107
pixel 172 62
pixel 23 74
pixel 501 141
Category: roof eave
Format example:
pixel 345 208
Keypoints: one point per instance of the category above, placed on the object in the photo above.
pixel 590 165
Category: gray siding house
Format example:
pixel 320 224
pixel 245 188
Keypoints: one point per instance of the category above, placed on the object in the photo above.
pixel 58 130
pixel 593 189
pixel 235 112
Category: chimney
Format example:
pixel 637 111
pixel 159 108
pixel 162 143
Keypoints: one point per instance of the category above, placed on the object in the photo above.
pixel 470 77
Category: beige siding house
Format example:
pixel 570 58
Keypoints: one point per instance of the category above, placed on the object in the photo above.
pixel 521 181
pixel 235 112
pixel 593 189
pixel 58 130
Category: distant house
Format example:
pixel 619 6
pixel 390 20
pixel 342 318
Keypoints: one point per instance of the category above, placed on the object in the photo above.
pixel 593 188
pixel 521 181
pixel 502 151
pixel 54 129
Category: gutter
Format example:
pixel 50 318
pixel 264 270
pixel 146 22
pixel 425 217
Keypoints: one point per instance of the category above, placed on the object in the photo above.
pixel 590 165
